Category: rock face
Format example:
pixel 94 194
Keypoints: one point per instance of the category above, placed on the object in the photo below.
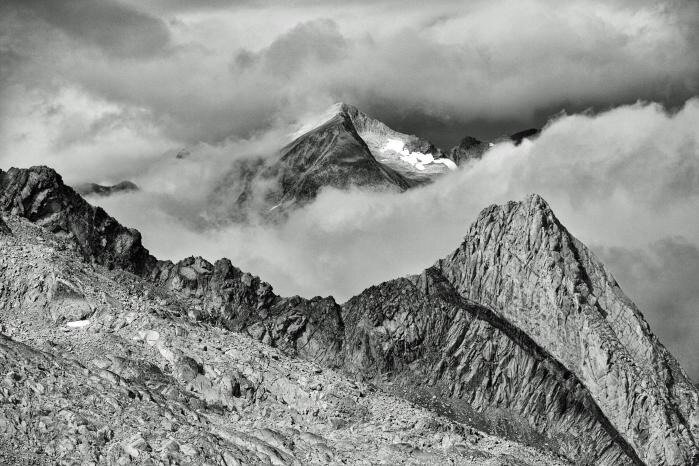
pixel 521 262
pixel 90 189
pixel 421 332
pixel 39 195
pixel 521 332
pixel 519 136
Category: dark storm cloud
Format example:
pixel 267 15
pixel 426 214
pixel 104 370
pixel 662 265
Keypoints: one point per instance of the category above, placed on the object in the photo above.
pixel 114 28
pixel 444 70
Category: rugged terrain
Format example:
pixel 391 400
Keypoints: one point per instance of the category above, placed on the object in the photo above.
pixel 517 348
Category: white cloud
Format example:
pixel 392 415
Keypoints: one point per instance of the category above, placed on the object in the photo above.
pixel 622 180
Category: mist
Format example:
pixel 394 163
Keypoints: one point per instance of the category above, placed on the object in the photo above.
pixel 624 181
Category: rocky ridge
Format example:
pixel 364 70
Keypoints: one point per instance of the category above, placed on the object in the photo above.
pixel 100 366
pixel 39 195
pixel 482 337
pixel 94 189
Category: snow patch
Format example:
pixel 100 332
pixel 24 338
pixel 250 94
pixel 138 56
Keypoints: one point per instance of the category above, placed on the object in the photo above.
pixel 416 159
pixel 448 162
pixel 78 324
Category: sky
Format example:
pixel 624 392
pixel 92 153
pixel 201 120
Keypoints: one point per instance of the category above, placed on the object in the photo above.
pixel 110 90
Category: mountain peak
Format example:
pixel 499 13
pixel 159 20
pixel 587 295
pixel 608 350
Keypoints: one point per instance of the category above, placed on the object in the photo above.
pixel 552 287
pixel 39 194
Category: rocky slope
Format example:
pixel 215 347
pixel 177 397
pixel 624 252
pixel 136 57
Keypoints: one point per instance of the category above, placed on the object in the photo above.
pixel 521 332
pixel 39 195
pixel 520 261
pixel 429 341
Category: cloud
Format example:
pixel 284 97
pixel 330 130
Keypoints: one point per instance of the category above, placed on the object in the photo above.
pixel 211 71
pixel 624 181
pixel 114 28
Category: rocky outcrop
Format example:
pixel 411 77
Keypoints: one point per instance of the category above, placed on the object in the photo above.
pixel 469 148
pixel 419 332
pixel 94 189
pixel 519 261
pixel 224 295
pixel 39 195
pixel 140 382
pixel 330 155
pixel 520 136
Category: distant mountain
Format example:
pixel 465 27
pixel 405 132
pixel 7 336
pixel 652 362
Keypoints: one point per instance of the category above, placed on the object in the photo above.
pixel 90 189
pixel 342 148
pixel 519 136
pixel 469 148
pixel 520 332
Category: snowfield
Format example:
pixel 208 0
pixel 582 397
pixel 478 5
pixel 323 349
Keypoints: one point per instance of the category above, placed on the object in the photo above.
pixel 416 159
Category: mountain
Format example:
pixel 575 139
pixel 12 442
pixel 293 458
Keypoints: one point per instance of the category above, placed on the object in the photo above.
pixel 39 195
pixel 520 333
pixel 469 148
pixel 519 136
pixel 101 366
pixel 90 189
pixel 342 148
